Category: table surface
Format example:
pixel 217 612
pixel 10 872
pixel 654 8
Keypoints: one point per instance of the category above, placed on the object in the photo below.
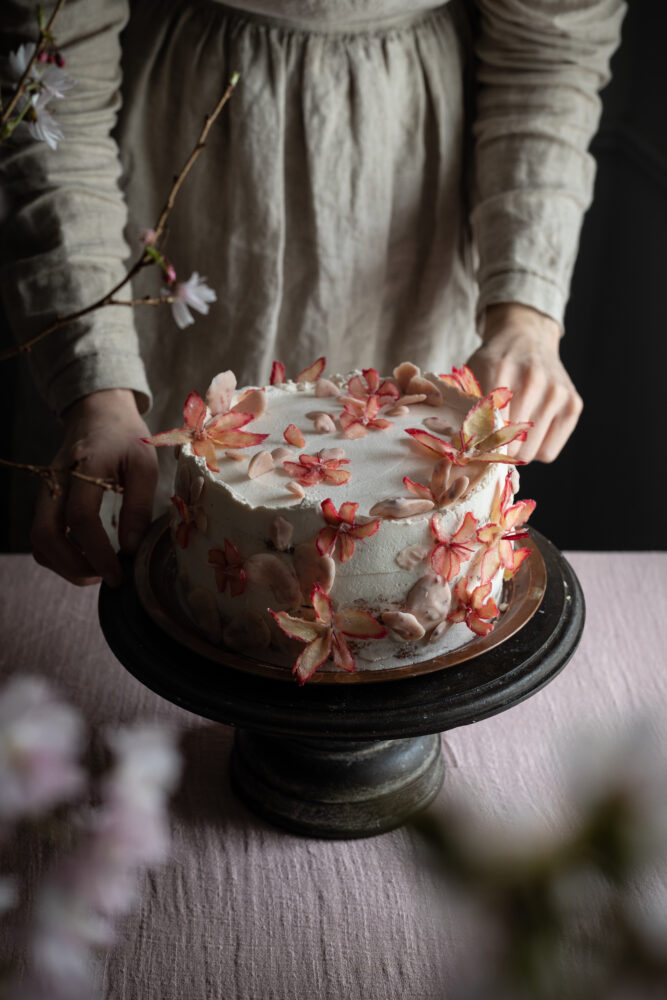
pixel 244 911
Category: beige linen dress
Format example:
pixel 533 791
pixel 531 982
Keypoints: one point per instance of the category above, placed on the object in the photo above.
pixel 349 202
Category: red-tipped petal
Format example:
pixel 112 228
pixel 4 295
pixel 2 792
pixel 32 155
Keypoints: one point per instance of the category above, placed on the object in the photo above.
pixel 348 511
pixel 479 421
pixel 478 626
pixel 433 444
pixel 296 628
pixel 331 515
pixel 356 387
pixel 177 436
pixel 253 401
pixel 353 430
pixel 342 655
pixel 277 373
pixel 346 547
pixel 293 436
pixel 194 411
pixel 336 477
pixel 366 530
pixel 322 604
pixel 519 513
pixel 519 556
pixel 359 624
pixel 238 439
pixel 227 422
pixel 423 492
pixel 313 372
pixel 501 397
pixel 505 435
pixel 312 657
pixel 326 540
pixel 220 392
pixel 467 529
pixel 206 450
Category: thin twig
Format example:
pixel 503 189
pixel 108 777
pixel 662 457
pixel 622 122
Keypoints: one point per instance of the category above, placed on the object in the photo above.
pixel 39 48
pixel 49 473
pixel 145 260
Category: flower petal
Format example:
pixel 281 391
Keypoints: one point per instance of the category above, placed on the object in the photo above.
pixel 293 436
pixel 177 436
pixel 312 657
pixel 313 372
pixel 345 547
pixel 342 655
pixel 277 373
pixel 358 624
pixel 443 449
pixel 194 411
pixel 322 604
pixel 220 392
pixel 296 628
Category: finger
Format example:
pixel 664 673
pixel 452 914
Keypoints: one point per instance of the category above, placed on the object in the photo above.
pixel 82 509
pixel 49 540
pixel 78 581
pixel 528 404
pixel 140 480
pixel 559 431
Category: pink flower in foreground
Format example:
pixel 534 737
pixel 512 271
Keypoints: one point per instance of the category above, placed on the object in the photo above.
pixel 74 908
pixel 40 744
pixel 193 293
pixel 326 634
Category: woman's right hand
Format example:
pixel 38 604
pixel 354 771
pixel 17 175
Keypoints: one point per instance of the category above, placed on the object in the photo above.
pixel 103 434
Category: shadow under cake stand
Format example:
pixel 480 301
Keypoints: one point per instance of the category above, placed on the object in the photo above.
pixel 350 759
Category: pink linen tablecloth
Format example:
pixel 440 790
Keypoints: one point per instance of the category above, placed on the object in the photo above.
pixel 244 911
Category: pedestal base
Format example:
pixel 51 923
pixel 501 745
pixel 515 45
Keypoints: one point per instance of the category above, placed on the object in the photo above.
pixel 324 789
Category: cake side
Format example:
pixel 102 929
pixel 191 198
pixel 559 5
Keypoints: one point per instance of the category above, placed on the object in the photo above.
pixel 344 523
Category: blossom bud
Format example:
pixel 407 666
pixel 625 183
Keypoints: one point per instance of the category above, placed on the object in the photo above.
pixel 60 61
pixel 43 57
pixel 170 273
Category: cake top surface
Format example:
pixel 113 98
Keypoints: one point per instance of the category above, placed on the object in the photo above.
pixel 376 462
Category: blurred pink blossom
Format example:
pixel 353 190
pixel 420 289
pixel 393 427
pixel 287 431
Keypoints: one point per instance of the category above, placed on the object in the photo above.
pixel 194 293
pixel 40 743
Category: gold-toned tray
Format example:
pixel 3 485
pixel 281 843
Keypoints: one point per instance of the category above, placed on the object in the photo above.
pixel 155 579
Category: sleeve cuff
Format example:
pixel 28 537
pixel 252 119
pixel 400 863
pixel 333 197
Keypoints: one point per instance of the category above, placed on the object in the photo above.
pixel 92 372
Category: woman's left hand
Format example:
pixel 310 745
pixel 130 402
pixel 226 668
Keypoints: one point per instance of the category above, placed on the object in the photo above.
pixel 520 350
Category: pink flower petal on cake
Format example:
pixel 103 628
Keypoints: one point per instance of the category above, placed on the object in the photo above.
pixel 412 556
pixel 342 656
pixel 429 600
pixel 204 449
pixel 293 436
pixel 296 628
pixel 423 386
pixel 439 425
pixel 260 464
pixel 505 435
pixel 501 397
pixel 479 421
pixel 365 530
pixel 332 455
pixel 281 533
pixel 220 392
pixel 423 492
pixel 399 507
pixel 336 477
pixel 520 555
pixel 253 401
pixel 358 624
pixel 280 455
pixel 345 547
pixel 175 437
pixel 322 604
pixel 346 513
pixel 277 373
pixel 326 541
pixel 463 380
pixel 398 411
pixel 443 449
pixel 404 373
pixel 519 513
pixel 266 570
pixel 352 429
pixel 404 625
pixel 313 372
pixel 312 657
pixel 325 388
pixel 194 411
pixel 311 567
pixel 324 424
pixel 296 489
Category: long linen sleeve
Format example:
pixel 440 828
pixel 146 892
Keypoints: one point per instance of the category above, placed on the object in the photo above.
pixel 62 243
pixel 540 66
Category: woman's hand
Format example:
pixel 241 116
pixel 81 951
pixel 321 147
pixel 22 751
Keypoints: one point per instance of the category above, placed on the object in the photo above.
pixel 103 434
pixel 520 350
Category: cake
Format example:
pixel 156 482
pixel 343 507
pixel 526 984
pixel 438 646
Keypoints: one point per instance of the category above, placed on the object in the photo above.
pixel 351 522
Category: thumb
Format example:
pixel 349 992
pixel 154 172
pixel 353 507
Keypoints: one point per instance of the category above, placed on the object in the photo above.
pixel 139 485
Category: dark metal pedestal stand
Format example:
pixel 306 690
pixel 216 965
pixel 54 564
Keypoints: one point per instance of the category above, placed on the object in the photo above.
pixel 347 760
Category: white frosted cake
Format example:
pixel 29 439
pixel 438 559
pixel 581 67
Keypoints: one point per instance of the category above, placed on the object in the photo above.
pixel 351 522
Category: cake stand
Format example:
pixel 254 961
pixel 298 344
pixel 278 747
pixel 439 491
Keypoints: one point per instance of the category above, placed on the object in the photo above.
pixel 342 760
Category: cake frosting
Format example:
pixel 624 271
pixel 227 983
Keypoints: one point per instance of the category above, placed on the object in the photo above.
pixel 349 522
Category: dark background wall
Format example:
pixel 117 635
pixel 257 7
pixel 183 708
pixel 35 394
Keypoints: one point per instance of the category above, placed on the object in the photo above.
pixel 607 490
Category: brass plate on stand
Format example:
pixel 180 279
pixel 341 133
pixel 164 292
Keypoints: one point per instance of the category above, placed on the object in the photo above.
pixel 155 579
